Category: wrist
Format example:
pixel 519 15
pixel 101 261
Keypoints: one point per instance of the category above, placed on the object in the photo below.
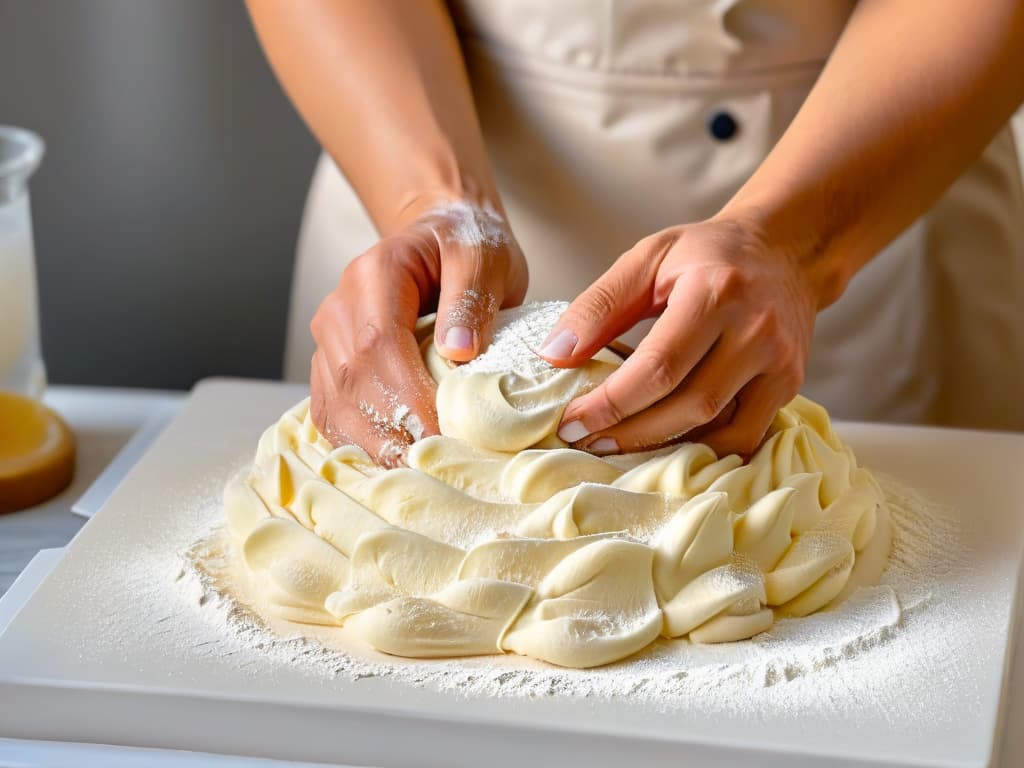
pixel 425 202
pixel 435 180
pixel 806 240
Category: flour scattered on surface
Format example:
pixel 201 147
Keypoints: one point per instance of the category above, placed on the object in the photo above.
pixel 869 652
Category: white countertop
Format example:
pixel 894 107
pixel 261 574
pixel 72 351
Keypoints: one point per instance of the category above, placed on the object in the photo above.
pixel 104 420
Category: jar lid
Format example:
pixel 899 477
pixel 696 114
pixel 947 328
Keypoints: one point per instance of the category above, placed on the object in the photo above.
pixel 37 453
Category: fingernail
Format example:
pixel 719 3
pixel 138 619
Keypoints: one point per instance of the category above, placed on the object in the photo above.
pixel 573 431
pixel 603 446
pixel 560 345
pixel 459 337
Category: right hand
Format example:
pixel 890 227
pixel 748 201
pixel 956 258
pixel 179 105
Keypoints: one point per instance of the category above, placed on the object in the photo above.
pixel 368 385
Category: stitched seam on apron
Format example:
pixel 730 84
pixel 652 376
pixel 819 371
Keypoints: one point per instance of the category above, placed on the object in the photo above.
pixel 501 58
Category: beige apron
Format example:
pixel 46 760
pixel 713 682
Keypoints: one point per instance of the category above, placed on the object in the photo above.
pixel 601 123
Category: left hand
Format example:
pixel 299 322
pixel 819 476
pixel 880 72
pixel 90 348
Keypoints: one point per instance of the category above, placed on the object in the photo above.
pixel 736 320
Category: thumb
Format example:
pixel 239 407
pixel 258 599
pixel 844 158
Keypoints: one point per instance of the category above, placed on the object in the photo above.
pixel 617 301
pixel 470 297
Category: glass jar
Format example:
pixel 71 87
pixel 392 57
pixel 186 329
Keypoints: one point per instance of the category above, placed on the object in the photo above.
pixel 21 360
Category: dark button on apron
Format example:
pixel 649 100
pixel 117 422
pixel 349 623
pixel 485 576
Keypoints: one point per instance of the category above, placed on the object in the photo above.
pixel 722 126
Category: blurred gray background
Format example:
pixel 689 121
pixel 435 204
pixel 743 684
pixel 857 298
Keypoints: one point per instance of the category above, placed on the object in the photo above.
pixel 168 204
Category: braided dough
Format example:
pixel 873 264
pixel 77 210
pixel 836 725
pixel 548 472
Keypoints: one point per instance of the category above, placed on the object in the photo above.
pixel 497 538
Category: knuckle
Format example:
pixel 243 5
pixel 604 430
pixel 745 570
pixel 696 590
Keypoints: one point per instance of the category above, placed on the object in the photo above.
pixel 727 285
pixel 789 364
pixel 363 266
pixel 596 304
pixel 646 256
pixel 767 325
pixel 793 383
pixel 658 373
pixel 769 341
pixel 605 406
pixel 644 246
pixel 342 377
pixel 706 405
pixel 327 315
pixel 369 339
pixel 776 351
pixel 342 372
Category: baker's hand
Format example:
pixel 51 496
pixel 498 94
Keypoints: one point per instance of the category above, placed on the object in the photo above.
pixel 368 384
pixel 728 349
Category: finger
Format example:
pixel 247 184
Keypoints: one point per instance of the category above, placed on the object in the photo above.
pixel 321 392
pixel 404 388
pixel 696 402
pixel 757 404
pixel 614 303
pixel 391 403
pixel 472 292
pixel 372 379
pixel 355 411
pixel 378 335
pixel 680 338
pixel 696 435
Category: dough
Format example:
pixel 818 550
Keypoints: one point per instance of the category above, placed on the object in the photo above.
pixel 496 537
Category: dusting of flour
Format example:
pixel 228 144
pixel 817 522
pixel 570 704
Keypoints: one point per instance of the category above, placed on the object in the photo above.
pixel 469 224
pixel 518 335
pixel 830 663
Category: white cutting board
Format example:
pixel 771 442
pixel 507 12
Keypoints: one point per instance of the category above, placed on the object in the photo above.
pixel 74 666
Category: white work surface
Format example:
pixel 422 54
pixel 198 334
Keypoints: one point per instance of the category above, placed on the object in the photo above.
pixel 113 427
pixel 264 707
pixel 103 420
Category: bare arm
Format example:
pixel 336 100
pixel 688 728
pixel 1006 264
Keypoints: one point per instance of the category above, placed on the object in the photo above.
pixel 910 96
pixel 383 86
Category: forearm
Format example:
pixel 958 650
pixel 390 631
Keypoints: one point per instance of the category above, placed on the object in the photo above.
pixel 910 96
pixel 383 87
